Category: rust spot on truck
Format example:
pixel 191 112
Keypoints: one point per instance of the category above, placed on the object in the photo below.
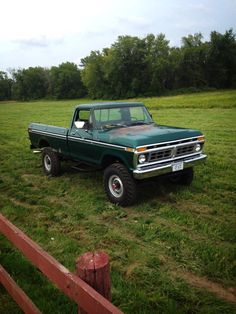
pixel 137 129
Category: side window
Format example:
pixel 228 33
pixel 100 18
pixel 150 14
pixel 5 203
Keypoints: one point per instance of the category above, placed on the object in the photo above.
pixel 83 115
pixel 83 119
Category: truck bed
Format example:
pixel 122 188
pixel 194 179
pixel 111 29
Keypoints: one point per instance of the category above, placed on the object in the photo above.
pixel 56 137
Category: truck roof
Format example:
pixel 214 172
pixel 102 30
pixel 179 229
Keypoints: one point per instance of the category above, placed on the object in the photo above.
pixel 105 105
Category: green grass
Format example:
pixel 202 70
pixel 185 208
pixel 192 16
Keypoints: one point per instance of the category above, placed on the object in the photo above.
pixel 156 246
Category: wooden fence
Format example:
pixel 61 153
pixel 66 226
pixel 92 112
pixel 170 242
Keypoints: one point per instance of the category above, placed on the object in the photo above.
pixel 88 300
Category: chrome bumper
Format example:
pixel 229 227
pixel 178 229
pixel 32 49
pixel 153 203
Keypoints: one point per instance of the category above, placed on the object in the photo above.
pixel 162 168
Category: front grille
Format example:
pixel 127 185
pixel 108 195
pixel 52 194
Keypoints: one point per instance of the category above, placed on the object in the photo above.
pixel 185 150
pixel 171 152
pixel 164 163
pixel 159 155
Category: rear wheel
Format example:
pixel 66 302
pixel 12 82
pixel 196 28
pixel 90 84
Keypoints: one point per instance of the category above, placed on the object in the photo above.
pixel 119 185
pixel 51 162
pixel 184 177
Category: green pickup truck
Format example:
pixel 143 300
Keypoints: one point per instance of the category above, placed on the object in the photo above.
pixel 124 141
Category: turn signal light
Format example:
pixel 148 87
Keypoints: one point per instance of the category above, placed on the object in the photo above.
pixel 141 149
pixel 201 138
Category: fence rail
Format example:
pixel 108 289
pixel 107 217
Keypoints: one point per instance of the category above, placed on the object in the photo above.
pixel 17 293
pixel 75 288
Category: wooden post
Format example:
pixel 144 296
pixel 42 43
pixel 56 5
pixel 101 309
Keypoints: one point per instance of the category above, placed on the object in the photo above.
pixel 94 269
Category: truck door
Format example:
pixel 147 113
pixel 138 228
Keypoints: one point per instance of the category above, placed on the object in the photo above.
pixel 81 135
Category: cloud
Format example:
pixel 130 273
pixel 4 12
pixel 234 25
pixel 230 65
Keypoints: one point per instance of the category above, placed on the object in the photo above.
pixel 38 42
pixel 136 22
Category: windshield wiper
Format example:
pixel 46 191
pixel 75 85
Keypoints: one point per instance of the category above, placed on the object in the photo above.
pixel 139 123
pixel 111 126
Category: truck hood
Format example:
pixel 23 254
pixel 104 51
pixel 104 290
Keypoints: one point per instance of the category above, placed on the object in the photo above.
pixel 140 135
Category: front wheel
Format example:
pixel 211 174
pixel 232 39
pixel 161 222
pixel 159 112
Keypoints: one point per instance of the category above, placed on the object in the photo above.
pixel 119 185
pixel 51 162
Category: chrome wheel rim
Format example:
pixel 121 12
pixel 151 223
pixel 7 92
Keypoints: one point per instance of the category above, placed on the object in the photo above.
pixel 116 186
pixel 47 163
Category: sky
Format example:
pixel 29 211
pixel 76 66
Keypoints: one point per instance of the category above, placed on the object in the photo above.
pixel 49 32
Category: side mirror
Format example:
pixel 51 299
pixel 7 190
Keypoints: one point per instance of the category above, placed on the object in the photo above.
pixel 79 124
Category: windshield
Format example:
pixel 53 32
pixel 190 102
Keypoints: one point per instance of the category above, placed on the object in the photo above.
pixel 121 117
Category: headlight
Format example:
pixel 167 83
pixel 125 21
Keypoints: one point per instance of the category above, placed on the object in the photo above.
pixel 141 158
pixel 197 148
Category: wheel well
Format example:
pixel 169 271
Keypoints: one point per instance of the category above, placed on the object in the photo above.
pixel 43 143
pixel 108 160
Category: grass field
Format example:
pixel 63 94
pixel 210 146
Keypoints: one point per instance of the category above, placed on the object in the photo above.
pixel 173 252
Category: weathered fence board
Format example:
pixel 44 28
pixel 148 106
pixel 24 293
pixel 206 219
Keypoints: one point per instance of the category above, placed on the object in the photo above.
pixel 17 293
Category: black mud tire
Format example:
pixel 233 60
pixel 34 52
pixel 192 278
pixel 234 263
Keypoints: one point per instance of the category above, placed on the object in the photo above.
pixel 185 177
pixel 51 162
pixel 119 185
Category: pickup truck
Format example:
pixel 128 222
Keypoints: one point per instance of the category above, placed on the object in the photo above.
pixel 123 140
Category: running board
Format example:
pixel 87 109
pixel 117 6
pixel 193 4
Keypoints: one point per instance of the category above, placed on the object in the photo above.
pixel 81 167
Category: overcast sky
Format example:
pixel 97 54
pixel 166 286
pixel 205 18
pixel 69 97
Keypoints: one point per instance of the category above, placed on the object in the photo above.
pixel 48 32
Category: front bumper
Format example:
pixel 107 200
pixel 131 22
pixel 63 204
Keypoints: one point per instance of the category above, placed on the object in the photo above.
pixel 166 167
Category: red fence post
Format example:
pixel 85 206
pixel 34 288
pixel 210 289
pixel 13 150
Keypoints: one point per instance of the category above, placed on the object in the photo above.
pixel 94 269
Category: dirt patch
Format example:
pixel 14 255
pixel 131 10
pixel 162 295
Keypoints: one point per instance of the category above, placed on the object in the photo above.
pixel 192 207
pixel 30 177
pixel 227 294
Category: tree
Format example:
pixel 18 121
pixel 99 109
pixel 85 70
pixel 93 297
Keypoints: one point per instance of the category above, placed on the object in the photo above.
pixel 65 81
pixel 93 75
pixel 5 86
pixel 31 83
pixel 126 67
pixel 222 60
pixel 158 63
pixel 192 66
pixel 192 40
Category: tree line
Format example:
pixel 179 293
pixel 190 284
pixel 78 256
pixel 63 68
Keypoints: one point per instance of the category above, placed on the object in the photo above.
pixel 131 67
pixel 61 82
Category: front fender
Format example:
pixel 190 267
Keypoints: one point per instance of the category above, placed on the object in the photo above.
pixel 123 156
